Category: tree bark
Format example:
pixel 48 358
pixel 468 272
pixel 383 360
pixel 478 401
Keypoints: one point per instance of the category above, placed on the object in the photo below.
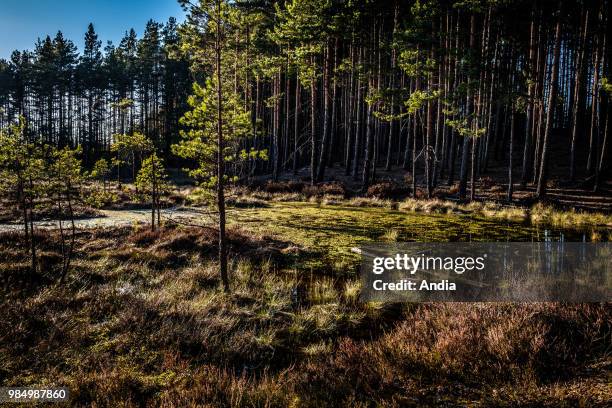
pixel 527 150
pixel 543 178
pixel 326 112
pixel 313 128
pixel 466 139
pixel 220 159
pixel 577 91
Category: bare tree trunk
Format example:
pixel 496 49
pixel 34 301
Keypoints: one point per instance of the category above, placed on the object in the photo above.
pixel 153 191
pixel 472 169
pixel 466 139
pixel 409 121
pixel 392 123
pixel 275 126
pixel 68 255
pixel 313 128
pixel 594 108
pixel 31 220
pixel 527 151
pixel 326 112
pixel 577 89
pixel 287 117
pixel 539 123
pixel 369 145
pixel 600 167
pixel 428 147
pixel 220 163
pixel 349 114
pixel 358 112
pixel 453 144
pixel 333 125
pixel 414 145
pixel 510 153
pixel 541 190
pixel 296 124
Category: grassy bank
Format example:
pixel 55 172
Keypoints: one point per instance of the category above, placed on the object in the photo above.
pixel 541 214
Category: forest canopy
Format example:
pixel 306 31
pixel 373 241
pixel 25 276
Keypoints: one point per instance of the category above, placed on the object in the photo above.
pixel 448 90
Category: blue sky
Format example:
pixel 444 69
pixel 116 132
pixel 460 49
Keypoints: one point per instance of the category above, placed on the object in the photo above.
pixel 23 21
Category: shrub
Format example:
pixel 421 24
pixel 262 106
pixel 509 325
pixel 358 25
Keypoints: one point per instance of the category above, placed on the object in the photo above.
pixel 145 237
pixel 408 178
pixel 454 189
pixel 101 199
pixel 283 187
pixel 486 182
pixel 332 189
pixel 386 189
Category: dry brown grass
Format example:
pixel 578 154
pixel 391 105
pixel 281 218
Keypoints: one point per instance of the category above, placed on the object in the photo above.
pixel 142 321
pixel 544 214
pixel 386 190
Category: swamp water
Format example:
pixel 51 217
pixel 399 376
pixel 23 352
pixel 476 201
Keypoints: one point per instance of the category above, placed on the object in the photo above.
pixel 327 234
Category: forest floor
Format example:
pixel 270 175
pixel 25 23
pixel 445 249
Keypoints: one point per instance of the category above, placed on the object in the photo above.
pixel 577 195
pixel 123 205
pixel 142 320
pixel 116 219
pixel 186 204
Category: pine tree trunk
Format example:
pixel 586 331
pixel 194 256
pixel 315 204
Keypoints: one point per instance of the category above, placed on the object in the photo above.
pixel 393 122
pixel 409 122
pixel 527 148
pixel 466 140
pixel 369 146
pixel 428 147
pixel 543 177
pixel 286 122
pixel 414 146
pixel 296 124
pixel 510 153
pixel 220 159
pixel 577 92
pixel 593 130
pixel 333 124
pixel 326 119
pixel 604 146
pixel 349 116
pixel 313 128
pixel 358 117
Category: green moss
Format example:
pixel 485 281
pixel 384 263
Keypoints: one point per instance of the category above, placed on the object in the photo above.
pixel 328 232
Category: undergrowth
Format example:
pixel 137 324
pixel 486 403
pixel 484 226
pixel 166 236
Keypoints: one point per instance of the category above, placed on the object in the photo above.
pixel 143 320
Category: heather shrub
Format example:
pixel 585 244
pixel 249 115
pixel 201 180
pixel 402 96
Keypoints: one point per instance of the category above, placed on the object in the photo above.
pixel 386 190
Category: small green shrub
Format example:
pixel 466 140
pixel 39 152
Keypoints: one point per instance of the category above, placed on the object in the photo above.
pixel 101 199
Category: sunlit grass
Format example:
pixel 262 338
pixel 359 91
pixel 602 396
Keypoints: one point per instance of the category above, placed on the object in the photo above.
pixel 542 214
pixel 537 214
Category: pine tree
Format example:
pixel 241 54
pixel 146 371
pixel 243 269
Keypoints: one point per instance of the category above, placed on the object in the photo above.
pixel 152 181
pixel 66 175
pixel 217 119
